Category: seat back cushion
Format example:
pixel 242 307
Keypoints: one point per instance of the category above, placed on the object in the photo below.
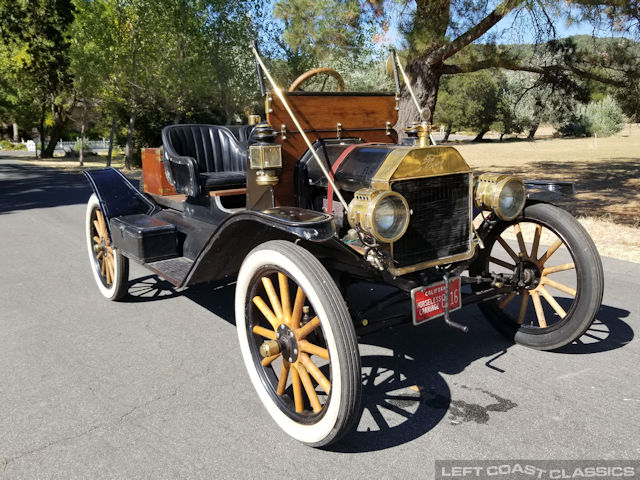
pixel 214 147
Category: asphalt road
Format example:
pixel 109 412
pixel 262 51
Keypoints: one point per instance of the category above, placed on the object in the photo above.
pixel 154 387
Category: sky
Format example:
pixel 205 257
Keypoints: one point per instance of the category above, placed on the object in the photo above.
pixel 507 32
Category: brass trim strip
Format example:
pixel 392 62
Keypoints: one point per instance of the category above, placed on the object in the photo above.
pixel 433 263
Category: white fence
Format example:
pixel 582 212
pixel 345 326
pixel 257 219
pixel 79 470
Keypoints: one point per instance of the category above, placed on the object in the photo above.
pixel 91 145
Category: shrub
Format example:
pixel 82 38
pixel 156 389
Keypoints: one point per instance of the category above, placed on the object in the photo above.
pixel 604 118
pixel 7 145
pixel 76 147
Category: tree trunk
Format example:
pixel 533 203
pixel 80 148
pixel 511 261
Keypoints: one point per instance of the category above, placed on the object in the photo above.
pixel 176 119
pixel 82 129
pixel 59 124
pixel 533 130
pixel 16 133
pixel 41 126
pixel 424 79
pixel 480 134
pixel 111 134
pixel 129 148
pixel 447 132
pixel 132 119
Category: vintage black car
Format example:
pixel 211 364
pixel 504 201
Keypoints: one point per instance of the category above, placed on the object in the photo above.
pixel 321 198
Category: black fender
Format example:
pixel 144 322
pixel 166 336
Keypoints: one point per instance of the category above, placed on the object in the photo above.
pixel 241 232
pixel 117 195
pixel 549 191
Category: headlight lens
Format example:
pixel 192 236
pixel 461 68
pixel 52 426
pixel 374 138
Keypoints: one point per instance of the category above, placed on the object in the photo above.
pixel 382 214
pixel 511 200
pixel 504 194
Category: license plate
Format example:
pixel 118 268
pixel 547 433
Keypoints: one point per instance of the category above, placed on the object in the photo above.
pixel 428 302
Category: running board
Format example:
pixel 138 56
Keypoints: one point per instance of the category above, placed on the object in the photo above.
pixel 174 270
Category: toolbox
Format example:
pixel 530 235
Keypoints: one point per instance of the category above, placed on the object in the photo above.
pixel 144 238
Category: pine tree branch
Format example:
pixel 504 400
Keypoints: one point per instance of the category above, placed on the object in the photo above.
pixel 546 71
pixel 475 32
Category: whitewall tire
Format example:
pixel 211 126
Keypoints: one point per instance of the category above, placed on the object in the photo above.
pixel 298 343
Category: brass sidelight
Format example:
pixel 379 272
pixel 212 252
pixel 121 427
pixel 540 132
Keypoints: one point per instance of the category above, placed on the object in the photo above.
pixel 254 119
pixel 265 157
pixel 269 348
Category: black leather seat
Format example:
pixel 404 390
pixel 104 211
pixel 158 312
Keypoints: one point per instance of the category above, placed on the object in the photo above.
pixel 199 158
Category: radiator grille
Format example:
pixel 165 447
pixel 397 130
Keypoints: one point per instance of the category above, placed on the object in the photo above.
pixel 439 225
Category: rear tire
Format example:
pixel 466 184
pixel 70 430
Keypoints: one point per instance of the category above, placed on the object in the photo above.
pixel 110 268
pixel 320 346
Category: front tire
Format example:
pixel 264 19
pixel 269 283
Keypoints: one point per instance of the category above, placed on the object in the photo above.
pixel 110 268
pixel 309 381
pixel 561 297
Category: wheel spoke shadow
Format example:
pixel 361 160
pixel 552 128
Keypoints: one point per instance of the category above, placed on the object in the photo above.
pixel 607 332
pixel 150 288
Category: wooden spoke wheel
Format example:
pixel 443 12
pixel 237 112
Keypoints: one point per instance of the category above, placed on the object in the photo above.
pixel 298 343
pixel 557 277
pixel 110 268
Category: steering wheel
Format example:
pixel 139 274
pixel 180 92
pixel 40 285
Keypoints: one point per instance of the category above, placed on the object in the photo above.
pixel 318 71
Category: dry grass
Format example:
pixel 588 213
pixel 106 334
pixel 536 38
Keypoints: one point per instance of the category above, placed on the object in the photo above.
pixel 606 175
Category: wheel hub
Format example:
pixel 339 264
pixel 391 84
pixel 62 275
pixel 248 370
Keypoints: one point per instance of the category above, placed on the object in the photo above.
pixel 528 274
pixel 288 343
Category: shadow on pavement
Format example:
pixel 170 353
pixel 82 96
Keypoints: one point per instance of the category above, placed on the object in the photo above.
pixel 404 393
pixel 24 187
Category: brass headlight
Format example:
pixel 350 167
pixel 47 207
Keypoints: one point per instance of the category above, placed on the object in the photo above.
pixel 382 214
pixel 504 194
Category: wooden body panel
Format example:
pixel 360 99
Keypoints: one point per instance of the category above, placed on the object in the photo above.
pixel 153 176
pixel 369 117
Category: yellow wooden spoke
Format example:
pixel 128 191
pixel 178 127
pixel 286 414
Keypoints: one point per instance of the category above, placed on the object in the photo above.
pixel 103 224
pixel 266 311
pixel 558 268
pixel 284 375
pixel 308 328
pixel 539 311
pixel 96 225
pixel 558 286
pixel 312 349
pixel 507 300
pixel 96 239
pixel 315 372
pixel 508 249
pixel 552 301
pixel 99 255
pixel 273 297
pixel 297 309
pixel 536 241
pixel 502 263
pixel 269 360
pixel 108 269
pixel 523 247
pixel 552 249
pixel 308 387
pixel 264 332
pixel 285 299
pixel 297 390
pixel 523 306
